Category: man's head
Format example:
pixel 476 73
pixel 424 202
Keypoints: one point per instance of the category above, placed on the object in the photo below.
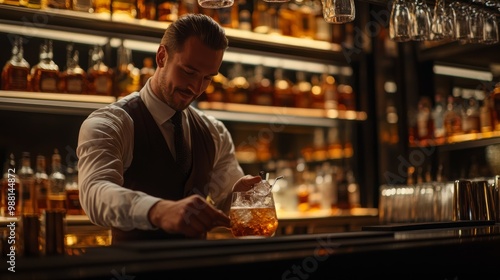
pixel 189 55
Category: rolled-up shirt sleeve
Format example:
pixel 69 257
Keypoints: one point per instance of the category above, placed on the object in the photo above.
pixel 104 151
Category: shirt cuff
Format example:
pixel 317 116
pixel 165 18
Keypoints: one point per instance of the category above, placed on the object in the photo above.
pixel 140 215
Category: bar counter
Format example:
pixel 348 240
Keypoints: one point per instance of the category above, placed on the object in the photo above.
pixel 452 250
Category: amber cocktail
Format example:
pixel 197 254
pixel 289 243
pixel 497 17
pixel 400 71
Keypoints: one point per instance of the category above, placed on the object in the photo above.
pixel 253 214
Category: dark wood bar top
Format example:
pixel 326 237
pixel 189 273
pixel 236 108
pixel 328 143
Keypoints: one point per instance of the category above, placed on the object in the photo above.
pixel 470 250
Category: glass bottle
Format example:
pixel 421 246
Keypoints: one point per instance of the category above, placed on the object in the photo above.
pixel 188 7
pixel 216 90
pixel 72 192
pixel 471 116
pixel 99 75
pixel 123 9
pixel 261 18
pixel 146 9
pixel 486 116
pixel 127 76
pixel 238 87
pixel 12 189
pixel 45 74
pixel 245 12
pixel 306 19
pixel 335 150
pixel 74 78
pixel 56 196
pixel 21 3
pixel 424 124
pixel 41 183
pixel 302 90
pixel 86 6
pixel 59 4
pixel 320 149
pixel 103 8
pixel 16 71
pixel 27 177
pixel 346 100
pixel 147 70
pixel 495 103
pixel 438 111
pixel 262 89
pixel 452 118
pixel 329 96
pixel 167 10
pixel 228 17
pixel 283 93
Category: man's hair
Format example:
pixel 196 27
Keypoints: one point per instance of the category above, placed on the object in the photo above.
pixel 199 25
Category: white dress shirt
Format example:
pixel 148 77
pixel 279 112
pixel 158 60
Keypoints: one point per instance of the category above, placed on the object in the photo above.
pixel 105 150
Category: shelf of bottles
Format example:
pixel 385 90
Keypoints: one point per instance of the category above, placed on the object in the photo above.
pixel 466 118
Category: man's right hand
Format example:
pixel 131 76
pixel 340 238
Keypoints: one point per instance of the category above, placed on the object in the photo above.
pixel 192 216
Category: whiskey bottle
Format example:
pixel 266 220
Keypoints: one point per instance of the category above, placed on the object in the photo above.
pixel 45 74
pixel 146 9
pixel 188 7
pixel 147 70
pixel 99 75
pixel 22 3
pixel 329 91
pixel 216 90
pixel 12 189
pixel 123 9
pixel 471 116
pixel 74 78
pixel 238 85
pixel 127 76
pixel 495 103
pixel 41 183
pixel 424 124
pixel 261 18
pixel 36 4
pixel 27 177
pixel 345 91
pixel 16 72
pixel 452 118
pixel 306 19
pixel 283 93
pixel 302 90
pixel 72 192
pixel 228 17
pixel 86 6
pixel 59 4
pixel 486 116
pixel 335 150
pixel 56 196
pixel 262 89
pixel 438 111
pixel 167 10
pixel 103 8
pixel 245 10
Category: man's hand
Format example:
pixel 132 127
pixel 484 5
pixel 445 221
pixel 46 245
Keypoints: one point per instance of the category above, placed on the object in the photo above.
pixel 192 216
pixel 246 183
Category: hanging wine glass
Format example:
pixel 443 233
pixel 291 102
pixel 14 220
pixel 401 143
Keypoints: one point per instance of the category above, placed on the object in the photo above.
pixel 400 22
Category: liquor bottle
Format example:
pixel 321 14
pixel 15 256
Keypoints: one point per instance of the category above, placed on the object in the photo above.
pixel 27 177
pixel 245 11
pixel 216 90
pixel 16 72
pixel 323 28
pixel 147 70
pixel 424 124
pixel 41 183
pixel 320 149
pixel 72 192
pixel 56 196
pixel 306 19
pixel 495 103
pixel 335 150
pixel 12 189
pixel 127 76
pixel 353 189
pixel 103 8
pixel 228 17
pixel 452 118
pixel 486 116
pixel 330 95
pixel 261 18
pixel 99 75
pixel 346 99
pixel 262 89
pixel 470 113
pixel 86 6
pixel 288 23
pixel 283 93
pixel 438 111
pixel 73 79
pixel 167 10
pixel 21 3
pixel 146 9
pixel 302 90
pixel 238 85
pixel 188 7
pixel 45 74
pixel 59 4
pixel 36 4
pixel 342 189
pixel 123 9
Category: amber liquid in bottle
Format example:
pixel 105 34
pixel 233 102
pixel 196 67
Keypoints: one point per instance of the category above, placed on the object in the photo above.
pixel 74 78
pixel 100 77
pixel 147 71
pixel 283 93
pixel 12 200
pixel 495 100
pixel 123 9
pixel 27 177
pixel 168 10
pixel 238 87
pixel 103 8
pixel 15 74
pixel 146 9
pixel 302 90
pixel 216 90
pixel 56 197
pixel 41 183
pixel 262 90
pixel 45 74
pixel 127 76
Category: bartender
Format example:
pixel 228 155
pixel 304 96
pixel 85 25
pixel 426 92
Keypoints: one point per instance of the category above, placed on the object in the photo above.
pixel 150 165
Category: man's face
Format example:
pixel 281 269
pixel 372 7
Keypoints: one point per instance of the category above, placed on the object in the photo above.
pixel 185 75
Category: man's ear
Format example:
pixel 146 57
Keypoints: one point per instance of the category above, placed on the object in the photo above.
pixel 161 56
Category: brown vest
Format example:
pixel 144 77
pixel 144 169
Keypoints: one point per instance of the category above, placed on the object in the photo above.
pixel 153 169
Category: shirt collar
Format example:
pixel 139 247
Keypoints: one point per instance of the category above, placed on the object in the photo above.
pixel 160 111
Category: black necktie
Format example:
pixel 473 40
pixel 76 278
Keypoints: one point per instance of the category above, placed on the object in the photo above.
pixel 182 153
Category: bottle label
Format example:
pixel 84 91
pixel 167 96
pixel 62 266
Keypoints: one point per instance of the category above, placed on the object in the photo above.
pixel 74 85
pixel 102 85
pixel 18 79
pixel 48 84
